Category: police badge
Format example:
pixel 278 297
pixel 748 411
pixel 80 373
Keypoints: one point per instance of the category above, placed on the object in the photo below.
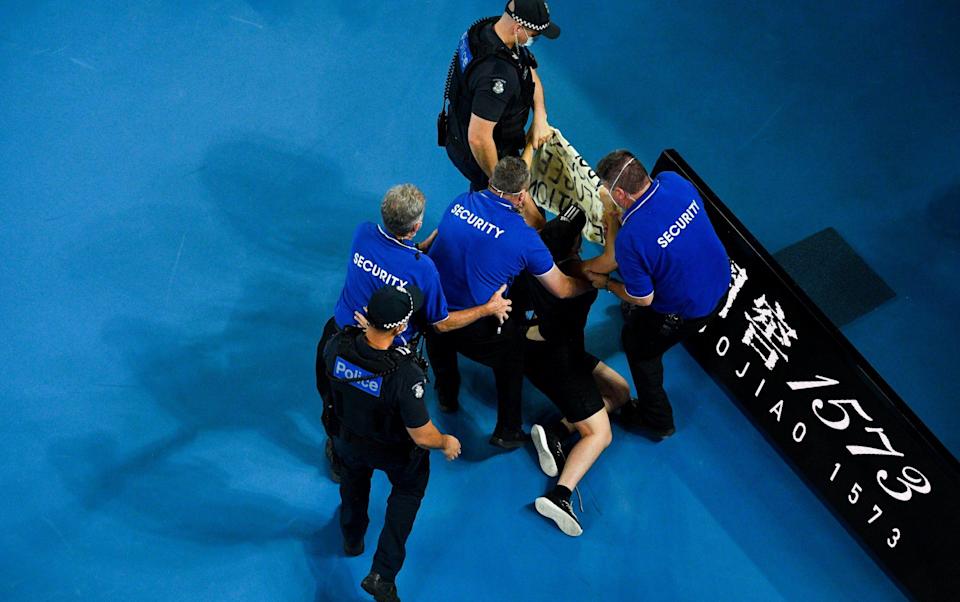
pixel 418 390
pixel 498 86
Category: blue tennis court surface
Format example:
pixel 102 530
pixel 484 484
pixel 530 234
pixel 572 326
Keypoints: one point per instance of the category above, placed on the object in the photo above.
pixel 179 182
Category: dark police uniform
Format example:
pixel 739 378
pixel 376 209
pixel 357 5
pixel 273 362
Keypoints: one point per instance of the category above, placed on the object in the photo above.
pixel 667 246
pixel 483 243
pixel 376 396
pixel 494 82
pixel 378 259
pixel 559 365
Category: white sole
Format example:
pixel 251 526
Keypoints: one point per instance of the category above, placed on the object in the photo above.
pixel 547 462
pixel 550 510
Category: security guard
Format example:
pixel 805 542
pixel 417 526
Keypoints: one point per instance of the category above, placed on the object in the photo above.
pixel 675 273
pixel 377 393
pixel 384 255
pixel 491 85
pixel 483 244
pixel 582 387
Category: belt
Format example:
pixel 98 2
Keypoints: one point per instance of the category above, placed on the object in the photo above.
pixel 352 438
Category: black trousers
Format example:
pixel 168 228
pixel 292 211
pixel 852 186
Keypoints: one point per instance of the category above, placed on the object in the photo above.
pixel 646 337
pixel 323 383
pixel 463 159
pixel 481 342
pixel 408 472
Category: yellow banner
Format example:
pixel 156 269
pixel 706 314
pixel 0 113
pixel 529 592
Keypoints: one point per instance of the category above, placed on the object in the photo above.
pixel 560 177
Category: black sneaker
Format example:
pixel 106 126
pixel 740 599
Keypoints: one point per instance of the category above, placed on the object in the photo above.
pixel 379 588
pixel 353 549
pixel 549 451
pixel 559 511
pixel 333 462
pixel 508 439
pixel 630 417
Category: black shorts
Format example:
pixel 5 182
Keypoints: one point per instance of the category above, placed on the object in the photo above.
pixel 564 373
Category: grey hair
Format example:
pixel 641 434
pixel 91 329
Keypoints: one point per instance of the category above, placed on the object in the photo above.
pixel 510 176
pixel 402 208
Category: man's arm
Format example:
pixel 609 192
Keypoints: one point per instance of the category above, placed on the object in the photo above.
pixel 480 139
pixel 540 130
pixel 606 262
pixel 497 306
pixel 428 437
pixel 562 286
pixel 603 281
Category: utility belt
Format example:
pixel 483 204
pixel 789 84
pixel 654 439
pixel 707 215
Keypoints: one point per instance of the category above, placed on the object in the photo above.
pixel 674 322
pixel 393 449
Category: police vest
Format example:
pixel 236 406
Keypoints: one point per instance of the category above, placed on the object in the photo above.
pixel 474 49
pixel 361 389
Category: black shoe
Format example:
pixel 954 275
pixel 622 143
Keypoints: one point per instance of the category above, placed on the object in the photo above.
pixel 381 590
pixel 448 405
pixel 333 462
pixel 630 417
pixel 559 511
pixel 508 439
pixel 549 451
pixel 353 549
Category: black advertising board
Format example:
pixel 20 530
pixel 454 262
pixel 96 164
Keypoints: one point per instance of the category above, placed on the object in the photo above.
pixel 881 471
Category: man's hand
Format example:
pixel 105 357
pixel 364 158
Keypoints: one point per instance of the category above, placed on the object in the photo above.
pixel 597 280
pixel 498 305
pixel 451 447
pixel 361 319
pixel 540 132
pixel 425 245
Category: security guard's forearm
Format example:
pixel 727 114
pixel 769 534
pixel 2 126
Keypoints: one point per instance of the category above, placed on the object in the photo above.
pixel 574 287
pixel 620 290
pixel 463 317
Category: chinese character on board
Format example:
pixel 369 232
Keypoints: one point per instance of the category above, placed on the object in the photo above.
pixel 768 332
pixel 739 279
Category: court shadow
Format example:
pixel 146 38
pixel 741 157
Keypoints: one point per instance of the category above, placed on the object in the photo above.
pixel 245 383
pixel 324 553
pixel 278 199
pixel 943 213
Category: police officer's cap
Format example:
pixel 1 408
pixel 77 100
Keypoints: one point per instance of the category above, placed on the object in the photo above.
pixel 391 306
pixel 535 16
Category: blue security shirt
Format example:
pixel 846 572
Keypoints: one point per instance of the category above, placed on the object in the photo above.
pixel 482 244
pixel 667 246
pixel 378 259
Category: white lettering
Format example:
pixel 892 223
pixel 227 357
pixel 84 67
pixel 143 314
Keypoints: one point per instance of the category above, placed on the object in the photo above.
pixel 777 410
pixel 799 432
pixel 476 221
pixel 680 224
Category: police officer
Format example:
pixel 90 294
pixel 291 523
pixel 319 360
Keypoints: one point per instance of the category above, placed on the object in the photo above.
pixel 377 391
pixel 492 85
pixel 675 273
pixel 384 255
pixel 582 387
pixel 483 243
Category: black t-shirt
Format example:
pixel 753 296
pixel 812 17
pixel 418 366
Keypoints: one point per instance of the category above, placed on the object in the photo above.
pixel 380 408
pixel 496 88
pixel 560 320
